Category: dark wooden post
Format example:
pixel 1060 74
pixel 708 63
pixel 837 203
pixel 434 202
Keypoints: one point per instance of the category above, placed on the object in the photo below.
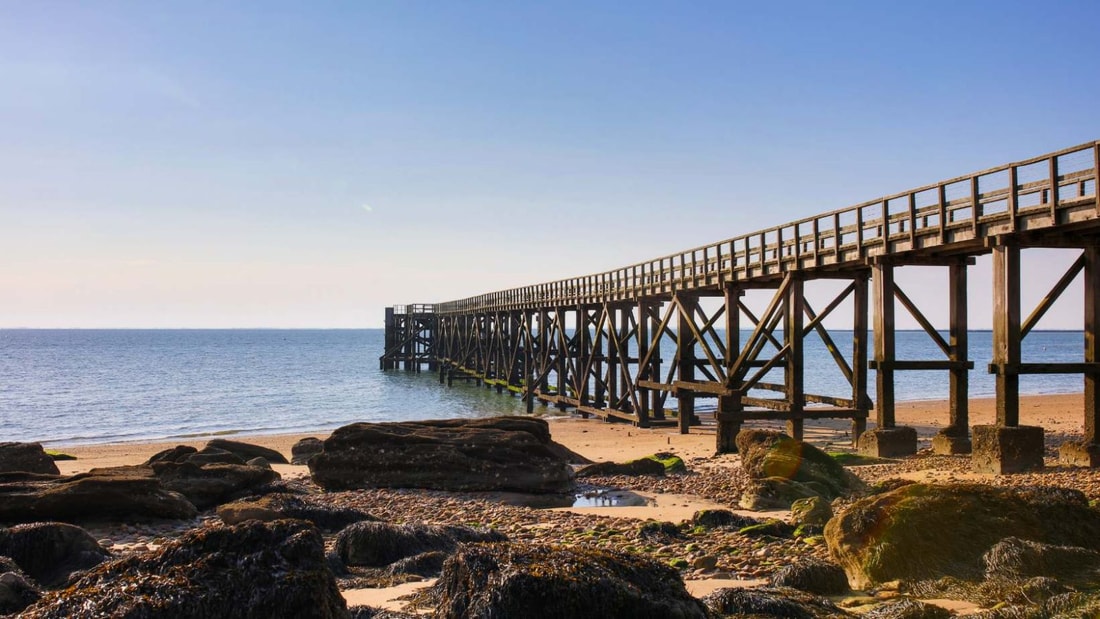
pixel 643 349
pixel 529 362
pixel 859 356
pixel 1092 345
pixel 685 351
pixel 883 279
pixel 793 323
pixel 959 425
pixel 657 408
pixel 561 365
pixel 613 359
pixel 1006 331
pixel 584 339
pixel 729 406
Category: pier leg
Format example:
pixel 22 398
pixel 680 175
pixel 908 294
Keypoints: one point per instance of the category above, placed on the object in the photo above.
pixel 730 409
pixel 1007 447
pixel 1087 452
pixel 887 440
pixel 795 376
pixel 643 350
pixel 955 438
pixel 685 350
pixel 859 357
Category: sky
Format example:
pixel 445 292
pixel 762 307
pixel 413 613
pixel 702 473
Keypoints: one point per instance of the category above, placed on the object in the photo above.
pixel 305 164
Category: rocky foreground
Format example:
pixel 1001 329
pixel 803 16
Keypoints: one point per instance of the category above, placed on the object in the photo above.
pixel 917 537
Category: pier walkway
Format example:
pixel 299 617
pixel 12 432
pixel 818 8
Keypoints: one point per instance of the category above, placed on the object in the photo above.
pixel 643 343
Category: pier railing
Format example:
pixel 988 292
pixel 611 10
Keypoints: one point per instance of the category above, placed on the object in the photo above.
pixel 1047 191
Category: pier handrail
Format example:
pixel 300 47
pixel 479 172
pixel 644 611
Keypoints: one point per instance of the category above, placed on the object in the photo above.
pixel 957 211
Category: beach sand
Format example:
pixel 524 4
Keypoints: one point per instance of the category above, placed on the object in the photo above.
pixel 598 440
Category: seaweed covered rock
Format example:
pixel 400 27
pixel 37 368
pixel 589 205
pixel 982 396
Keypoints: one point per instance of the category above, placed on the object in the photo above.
pixel 812 510
pixel 208 485
pixel 248 451
pixel 1016 558
pixel 496 453
pixel 378 544
pixel 813 576
pixel 17 591
pixel 50 551
pixel 303 450
pixel 280 505
pixel 253 571
pixel 99 494
pixel 782 470
pixel 923 531
pixel 721 519
pixel 26 458
pixel 908 609
pixel 423 564
pixel 512 580
pixel 641 466
pixel 764 602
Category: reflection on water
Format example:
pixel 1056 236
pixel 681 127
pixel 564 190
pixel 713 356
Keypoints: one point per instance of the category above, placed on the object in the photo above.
pixel 603 497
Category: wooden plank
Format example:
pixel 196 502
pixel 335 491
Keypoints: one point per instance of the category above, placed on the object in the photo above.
pixel 714 388
pixel 911 364
pixel 1052 296
pixel 1092 333
pixel 1017 369
pixel 959 378
pixel 883 279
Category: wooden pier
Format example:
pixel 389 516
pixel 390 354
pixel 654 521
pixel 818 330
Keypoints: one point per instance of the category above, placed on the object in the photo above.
pixel 647 342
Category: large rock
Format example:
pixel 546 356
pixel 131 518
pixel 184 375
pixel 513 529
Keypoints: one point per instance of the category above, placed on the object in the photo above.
pixel 26 457
pixel 252 571
pixel 813 576
pixel 923 531
pixel 771 602
pixel 279 506
pixel 211 484
pixel 378 544
pixel 17 590
pixel 49 551
pixel 497 453
pixel 303 450
pixel 1013 558
pixel 535 582
pixel 641 466
pixel 247 451
pixel 121 493
pixel 782 470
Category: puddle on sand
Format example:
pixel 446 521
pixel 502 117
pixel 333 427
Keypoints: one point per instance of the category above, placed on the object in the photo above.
pixel 610 498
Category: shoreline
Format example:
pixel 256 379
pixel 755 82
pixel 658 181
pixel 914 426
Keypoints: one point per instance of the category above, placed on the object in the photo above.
pixel 1060 415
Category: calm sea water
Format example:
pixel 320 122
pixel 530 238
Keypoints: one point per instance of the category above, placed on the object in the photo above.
pixel 98 386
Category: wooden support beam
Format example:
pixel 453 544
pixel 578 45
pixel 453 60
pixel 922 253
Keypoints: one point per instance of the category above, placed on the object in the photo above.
pixel 883 278
pixel 959 380
pixel 685 355
pixel 1006 330
pixel 794 340
pixel 1092 333
pixel 859 355
pixel 729 406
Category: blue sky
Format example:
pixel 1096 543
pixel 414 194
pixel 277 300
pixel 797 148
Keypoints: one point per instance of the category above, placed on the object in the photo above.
pixel 271 164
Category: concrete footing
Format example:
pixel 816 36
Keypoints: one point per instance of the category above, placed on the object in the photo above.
pixel 1079 454
pixel 888 442
pixel 1000 450
pixel 949 444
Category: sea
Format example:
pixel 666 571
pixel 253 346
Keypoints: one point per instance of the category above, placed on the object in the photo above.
pixel 79 386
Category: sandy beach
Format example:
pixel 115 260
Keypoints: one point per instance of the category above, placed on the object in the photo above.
pixel 714 483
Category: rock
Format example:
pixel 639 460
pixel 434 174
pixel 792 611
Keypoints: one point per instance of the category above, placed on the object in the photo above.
pixel 26 457
pixel 247 451
pixel 641 466
pixel 721 518
pixel 534 581
pixel 771 528
pixel 173 454
pixel 811 510
pixel 424 564
pixel 378 544
pixel 657 531
pixel 908 609
pixel 16 590
pixel 211 484
pixel 280 505
pixel 305 449
pixel 496 453
pixel 1016 558
pixel 260 462
pixel 252 571
pixel 705 562
pixel 923 531
pixel 212 455
pixel 812 576
pixel 783 470
pixel 50 551
pixel 771 602
pixel 369 612
pixel 115 493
